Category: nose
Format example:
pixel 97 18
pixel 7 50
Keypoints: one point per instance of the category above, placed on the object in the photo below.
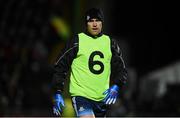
pixel 94 24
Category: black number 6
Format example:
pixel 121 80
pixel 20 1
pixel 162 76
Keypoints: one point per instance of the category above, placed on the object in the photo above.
pixel 92 62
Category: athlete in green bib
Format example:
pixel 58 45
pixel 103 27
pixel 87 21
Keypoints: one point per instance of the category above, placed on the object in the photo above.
pixel 94 61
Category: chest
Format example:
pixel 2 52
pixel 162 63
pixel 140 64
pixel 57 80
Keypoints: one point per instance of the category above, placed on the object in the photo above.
pixel 97 48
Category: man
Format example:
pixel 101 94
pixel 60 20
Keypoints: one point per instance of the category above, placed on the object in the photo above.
pixel 94 60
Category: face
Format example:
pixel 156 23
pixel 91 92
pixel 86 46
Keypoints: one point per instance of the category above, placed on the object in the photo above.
pixel 94 26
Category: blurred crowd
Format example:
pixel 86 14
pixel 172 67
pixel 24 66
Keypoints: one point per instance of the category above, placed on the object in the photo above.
pixel 26 42
pixel 29 44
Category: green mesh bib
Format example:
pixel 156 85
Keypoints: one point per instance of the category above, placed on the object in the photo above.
pixel 91 68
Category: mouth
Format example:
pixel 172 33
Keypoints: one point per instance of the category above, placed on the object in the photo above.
pixel 94 29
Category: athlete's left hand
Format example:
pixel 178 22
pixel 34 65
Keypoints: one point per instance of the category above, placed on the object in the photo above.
pixel 111 94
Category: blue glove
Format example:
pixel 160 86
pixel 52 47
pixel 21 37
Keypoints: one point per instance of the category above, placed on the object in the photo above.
pixel 111 94
pixel 58 103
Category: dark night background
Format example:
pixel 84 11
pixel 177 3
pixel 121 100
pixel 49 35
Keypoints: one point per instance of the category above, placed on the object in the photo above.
pixel 33 32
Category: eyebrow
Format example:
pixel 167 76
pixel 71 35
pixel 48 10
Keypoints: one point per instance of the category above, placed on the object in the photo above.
pixel 94 19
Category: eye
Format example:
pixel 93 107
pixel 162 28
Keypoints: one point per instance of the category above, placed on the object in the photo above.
pixel 97 20
pixel 91 20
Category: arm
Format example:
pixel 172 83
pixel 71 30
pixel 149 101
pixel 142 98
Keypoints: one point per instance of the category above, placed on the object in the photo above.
pixel 63 64
pixel 118 74
pixel 118 68
pixel 61 68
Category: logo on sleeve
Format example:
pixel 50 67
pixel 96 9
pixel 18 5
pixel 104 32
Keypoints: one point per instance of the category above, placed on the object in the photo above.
pixel 81 109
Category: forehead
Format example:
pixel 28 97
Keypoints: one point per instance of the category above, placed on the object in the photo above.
pixel 93 19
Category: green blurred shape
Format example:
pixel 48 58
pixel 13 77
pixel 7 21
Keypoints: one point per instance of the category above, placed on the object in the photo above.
pixel 68 110
pixel 61 27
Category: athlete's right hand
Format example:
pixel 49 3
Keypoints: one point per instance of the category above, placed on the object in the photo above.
pixel 111 94
pixel 58 103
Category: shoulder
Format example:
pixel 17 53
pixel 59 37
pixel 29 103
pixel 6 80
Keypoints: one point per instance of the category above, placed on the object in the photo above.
pixel 113 39
pixel 73 39
pixel 115 45
pixel 80 34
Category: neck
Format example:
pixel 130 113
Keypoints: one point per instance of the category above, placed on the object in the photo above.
pixel 93 36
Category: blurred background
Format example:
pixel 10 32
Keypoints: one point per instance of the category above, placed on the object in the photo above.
pixel 32 33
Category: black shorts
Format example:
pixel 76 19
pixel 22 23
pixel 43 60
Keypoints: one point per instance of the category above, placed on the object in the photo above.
pixel 84 106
